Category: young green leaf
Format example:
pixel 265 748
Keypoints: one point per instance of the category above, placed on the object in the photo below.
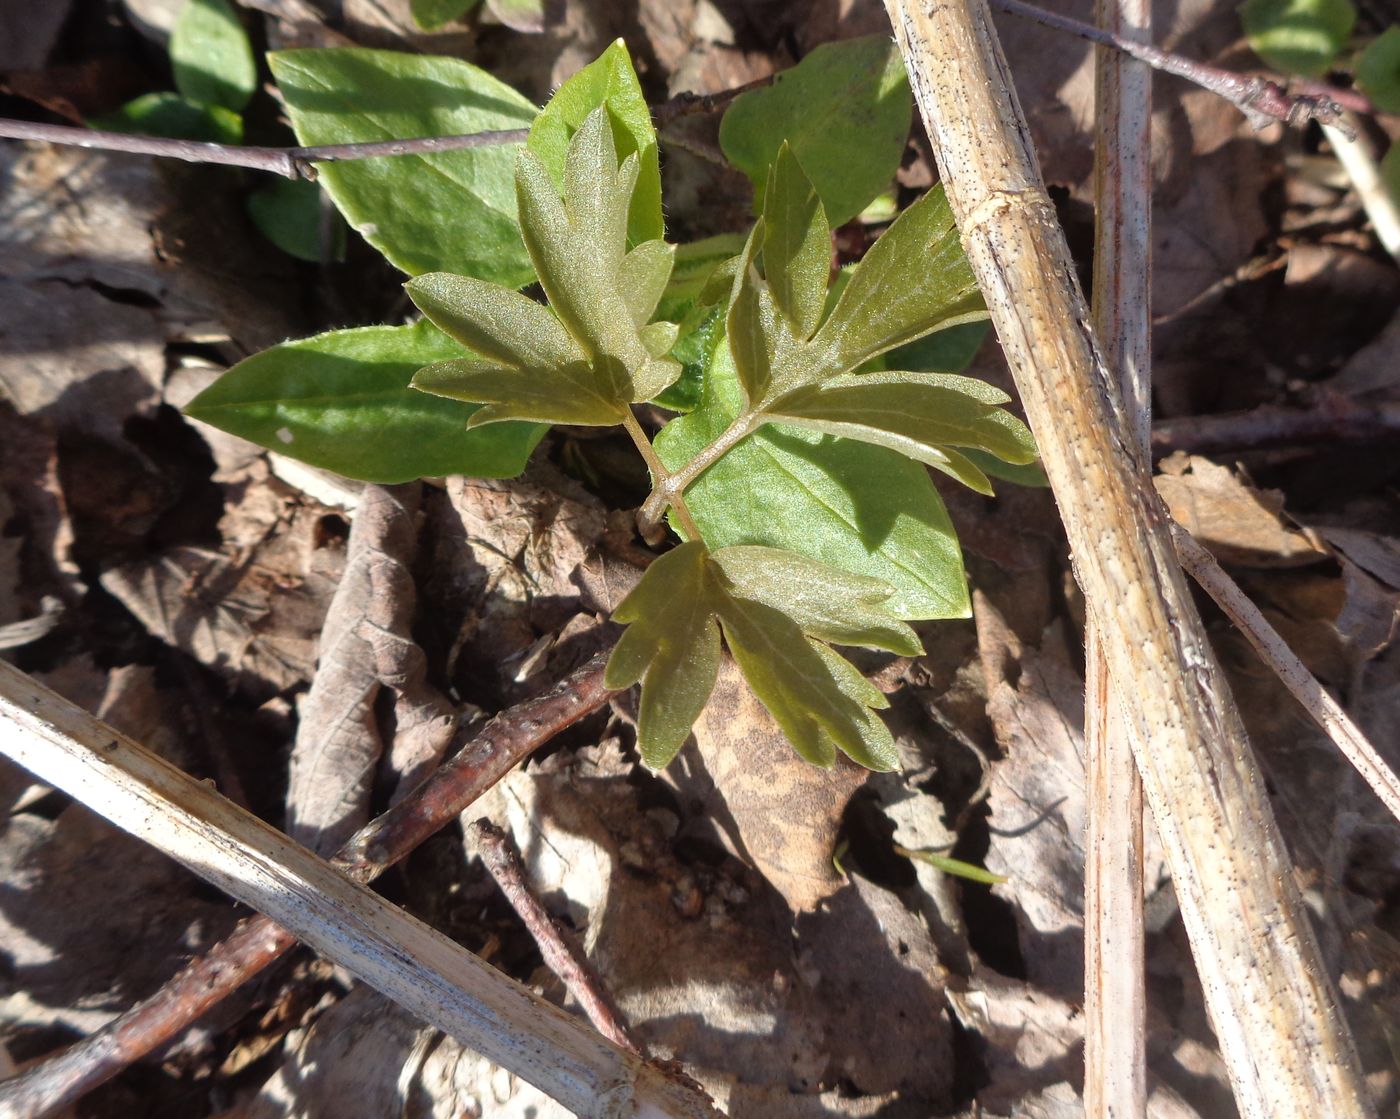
pixel 775 627
pixel 341 401
pixel 211 55
pixel 913 281
pixel 1298 36
pixel 451 211
pixel 920 415
pixel 609 80
pixel 861 508
pixel 673 642
pixel 169 114
pixel 845 109
pixel 1378 71
pixel 288 213
pixel 589 355
pixel 796 244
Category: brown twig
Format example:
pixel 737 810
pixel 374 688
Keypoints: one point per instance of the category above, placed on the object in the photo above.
pixel 1331 418
pixel 561 950
pixel 299 162
pixel 1115 979
pixel 1262 100
pixel 499 747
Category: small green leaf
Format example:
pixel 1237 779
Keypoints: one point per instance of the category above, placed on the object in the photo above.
pixel 920 415
pixel 609 80
pixel 946 351
pixel 1298 36
pixel 432 14
pixel 170 115
pixel 695 263
pixel 288 213
pixel 845 109
pixel 913 281
pixel 672 646
pixel 1378 71
pixel 341 401
pixel 796 245
pixel 673 642
pixel 849 505
pixel 829 604
pixel 451 211
pixel 211 55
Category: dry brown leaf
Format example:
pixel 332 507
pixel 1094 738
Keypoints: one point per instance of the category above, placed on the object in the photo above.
pixel 1241 525
pixel 785 811
pixel 365 645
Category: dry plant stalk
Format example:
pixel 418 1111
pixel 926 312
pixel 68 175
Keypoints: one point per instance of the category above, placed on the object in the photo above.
pixel 393 952
pixel 1275 1012
pixel 1115 979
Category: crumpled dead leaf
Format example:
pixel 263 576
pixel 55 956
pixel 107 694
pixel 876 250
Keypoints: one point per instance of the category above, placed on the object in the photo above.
pixel 366 645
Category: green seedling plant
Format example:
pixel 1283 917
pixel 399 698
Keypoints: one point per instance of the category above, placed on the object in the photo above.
pixel 795 474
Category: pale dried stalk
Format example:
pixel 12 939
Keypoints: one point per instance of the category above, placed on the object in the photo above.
pixel 395 953
pixel 1115 980
pixel 1358 158
pixel 1288 1051
pixel 1325 711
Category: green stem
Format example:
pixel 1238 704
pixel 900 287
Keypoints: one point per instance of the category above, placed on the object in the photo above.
pixel 669 487
pixel 663 481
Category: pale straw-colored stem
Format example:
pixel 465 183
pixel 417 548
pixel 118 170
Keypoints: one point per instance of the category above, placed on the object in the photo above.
pixel 1286 1047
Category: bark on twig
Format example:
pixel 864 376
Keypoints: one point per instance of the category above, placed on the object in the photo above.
pixel 259 941
pixel 1115 980
pixel 1288 1050
pixel 419 968
pixel 561 950
pixel 1325 711
pixel 1329 418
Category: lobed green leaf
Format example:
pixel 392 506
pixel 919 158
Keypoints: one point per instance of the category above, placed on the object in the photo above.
pixel 451 211
pixel 211 56
pixel 609 80
pixel 845 110
pixel 796 245
pixel 342 401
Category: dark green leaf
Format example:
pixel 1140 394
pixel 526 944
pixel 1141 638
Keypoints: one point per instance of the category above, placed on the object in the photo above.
pixel 342 401
pixel 432 14
pixel 828 604
pixel 610 80
pixel 913 281
pixel 796 245
pixel 845 109
pixel 451 211
pixel 289 213
pixel 1298 36
pixel 701 332
pixel 1378 72
pixel 920 415
pixel 673 644
pixel 946 351
pixel 850 505
pixel 170 115
pixel 211 56
pixel 819 699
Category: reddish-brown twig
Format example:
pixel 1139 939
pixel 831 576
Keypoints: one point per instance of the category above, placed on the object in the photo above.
pixel 258 941
pixel 1262 100
pixel 1331 418
pixel 561 950
pixel 299 163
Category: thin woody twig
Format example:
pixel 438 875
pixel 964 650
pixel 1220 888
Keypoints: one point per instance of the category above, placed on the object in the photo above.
pixel 1261 100
pixel 1115 979
pixel 1332 417
pixel 421 969
pixel 561 950
pixel 258 941
pixel 299 162
pixel 1325 711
